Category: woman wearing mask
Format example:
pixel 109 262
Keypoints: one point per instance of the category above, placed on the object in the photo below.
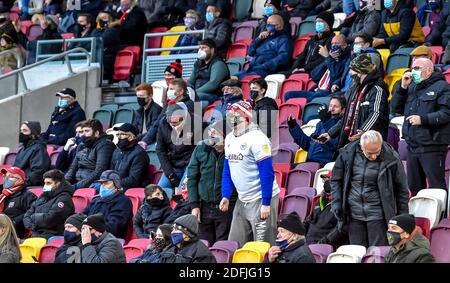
pixel 72 240
pixel 160 240
pixel 9 243
pixel 192 21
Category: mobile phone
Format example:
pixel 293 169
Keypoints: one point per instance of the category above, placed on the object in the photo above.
pixel 322 139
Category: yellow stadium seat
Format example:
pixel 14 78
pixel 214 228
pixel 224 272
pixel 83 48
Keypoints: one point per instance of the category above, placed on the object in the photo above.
pixel 31 247
pixel 261 247
pixel 171 40
pixel 35 242
pixel 384 56
pixel 246 256
pixel 390 80
pixel 400 71
pixel 300 156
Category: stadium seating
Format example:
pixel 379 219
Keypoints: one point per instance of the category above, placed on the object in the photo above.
pixel 237 50
pixel 132 252
pixel 300 156
pixel 37 191
pixel 424 224
pixel 56 240
pixel 274 83
pixel 321 252
pixel 376 254
pixel 10 158
pixel 244 32
pixel 123 116
pixel 298 202
pixel 440 237
pixel 34 32
pixel 347 254
pixel 30 249
pixel 425 206
pixel 124 65
pixel 155 42
pixel 171 40
pixel 48 253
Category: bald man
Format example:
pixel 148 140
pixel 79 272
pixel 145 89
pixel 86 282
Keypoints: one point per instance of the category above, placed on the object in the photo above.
pixel 271 50
pixel 424 100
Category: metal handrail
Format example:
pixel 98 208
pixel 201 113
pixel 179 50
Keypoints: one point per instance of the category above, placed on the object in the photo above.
pixel 91 40
pixel 18 58
pixel 64 55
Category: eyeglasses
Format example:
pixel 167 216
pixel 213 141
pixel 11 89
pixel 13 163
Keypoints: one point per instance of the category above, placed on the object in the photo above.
pixel 417 68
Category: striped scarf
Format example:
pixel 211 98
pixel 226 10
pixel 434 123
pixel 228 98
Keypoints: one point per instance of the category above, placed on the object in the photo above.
pixel 6 193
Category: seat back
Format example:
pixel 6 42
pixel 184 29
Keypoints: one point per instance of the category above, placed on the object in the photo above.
pixel 242 9
pixel 396 61
pixel 124 65
pixel 205 242
pixel 136 51
pixel 137 192
pixel 283 156
pixel 355 250
pixel 171 40
pixel 310 111
pixel 221 255
pixel 104 116
pixel 140 243
pixel 290 85
pixel 298 178
pixel 237 50
pixel 425 206
pixel 299 45
pixel 297 203
pixel 246 256
pixel 424 224
pixel 56 241
pixel 288 109
pixel 10 158
pixel 80 203
pixel 48 253
pixel 34 32
pixel 261 247
pixel 244 32
pixel 439 247
pixel 155 42
pixel 132 252
pixel 123 116
pixel 439 194
pixel 227 244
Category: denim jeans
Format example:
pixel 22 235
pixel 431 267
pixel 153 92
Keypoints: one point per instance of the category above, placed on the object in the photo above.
pixel 350 6
pixel 309 95
pixel 207 99
pixel 165 183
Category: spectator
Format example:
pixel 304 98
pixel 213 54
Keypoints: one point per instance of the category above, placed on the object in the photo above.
pixel 367 21
pixel 47 215
pixel 160 240
pixel 175 144
pixel 310 58
pixel 93 156
pixel 86 28
pixel 9 243
pixel 112 203
pixel 67 155
pixel 431 16
pixel 15 199
pixel 331 79
pixel 49 25
pixel 32 157
pixel 440 35
pixel 291 244
pixel 66 115
pixel 52 7
pixel 175 71
pixel 192 21
pixel 205 186
pixel 218 29
pixel 153 212
pixel 423 100
pixel 133 24
pixel 146 117
pixel 186 246
pixel 248 168
pixel 333 6
pixel 72 240
pixel 320 152
pixel 367 104
pixel 179 93
pixel 12 60
pixel 232 93
pixel 265 107
pixel 372 192
pixel 109 31
pixel 223 5
pixel 273 7
pixel 408 244
pixel 321 225
pixel 271 50
pixel 99 246
pixel 208 73
pixel 129 159
pixel 362 44
pixel 6 25
pixel 183 207
pixel 298 8
pixel 155 11
pixel 28 8
pixel 399 26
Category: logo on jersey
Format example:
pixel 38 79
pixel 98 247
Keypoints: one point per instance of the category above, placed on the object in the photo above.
pixel 266 148
pixel 11 205
pixel 238 157
pixel 60 204
pixel 243 146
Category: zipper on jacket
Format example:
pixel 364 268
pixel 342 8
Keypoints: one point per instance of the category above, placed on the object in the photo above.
pixel 362 187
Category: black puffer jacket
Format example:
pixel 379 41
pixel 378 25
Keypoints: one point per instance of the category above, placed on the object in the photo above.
pixel 151 119
pixel 301 8
pixel 373 110
pixel 431 101
pixel 391 182
pixel 297 252
pixel 149 217
pixel 132 164
pixel 367 21
pixel 133 28
pixel 220 31
pixel 48 213
pixel 90 163
pixel 264 108
pixel 33 159
pixel 16 206
pixel 193 251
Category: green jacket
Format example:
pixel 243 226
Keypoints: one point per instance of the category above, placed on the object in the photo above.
pixel 205 175
pixel 415 251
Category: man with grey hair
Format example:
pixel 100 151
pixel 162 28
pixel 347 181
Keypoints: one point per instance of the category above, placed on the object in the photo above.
pixel 368 186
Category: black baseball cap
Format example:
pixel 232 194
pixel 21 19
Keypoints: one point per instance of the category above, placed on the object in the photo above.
pixel 66 93
pixel 127 127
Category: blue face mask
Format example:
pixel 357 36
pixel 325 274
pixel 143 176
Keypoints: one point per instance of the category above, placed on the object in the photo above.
pixel 416 76
pixel 268 11
pixel 433 6
pixel 69 236
pixel 271 28
pixel 209 17
pixel 388 4
pixel 176 238
pixel 93 238
pixel 8 183
pixel 78 140
pixel 320 27
pixel 282 244
pixel 46 188
pixel 105 192
pixel 357 48
pixel 63 103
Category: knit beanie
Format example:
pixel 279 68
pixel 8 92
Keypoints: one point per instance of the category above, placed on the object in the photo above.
pixel 35 127
pixel 405 221
pixel 362 64
pixel 327 17
pixel 292 223
pixel 189 223
pixel 276 3
pixel 175 68
pixel 76 220
pixel 96 221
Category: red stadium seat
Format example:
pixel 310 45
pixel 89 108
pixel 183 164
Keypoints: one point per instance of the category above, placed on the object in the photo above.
pixel 136 192
pixel 34 32
pixel 447 76
pixel 299 46
pixel 14 17
pixel 437 53
pixel 36 191
pixel 80 203
pixel 236 50
pixel 25 26
pixel 158 174
pixel 135 202
pixel 424 224
pixel 124 65
pixel 56 241
pixel 290 85
pixel 132 252
pixel 48 253
pixel 137 53
pixel 289 109
pixel 67 35
pixel 139 243
pixel 155 42
pixel 86 192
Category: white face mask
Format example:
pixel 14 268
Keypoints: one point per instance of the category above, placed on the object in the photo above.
pixel 201 55
pixel 171 94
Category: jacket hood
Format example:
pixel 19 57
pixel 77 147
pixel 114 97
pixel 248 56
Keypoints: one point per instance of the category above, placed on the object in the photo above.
pixel 266 101
pixel 372 77
pixel 418 241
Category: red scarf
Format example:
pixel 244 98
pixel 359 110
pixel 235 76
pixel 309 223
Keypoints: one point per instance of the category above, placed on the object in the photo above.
pixel 6 193
pixel 124 15
pixel 353 113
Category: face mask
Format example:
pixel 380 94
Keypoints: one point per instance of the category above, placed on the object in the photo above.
pixel 63 103
pixel 268 11
pixel 159 244
pixel 282 244
pixel 46 188
pixel 212 141
pixel 393 238
pixel 388 4
pixel 123 143
pixel 168 80
pixel 271 28
pixel 320 27
pixel 209 17
pixel 189 22
pixel 102 24
pixel 201 55
pixel 254 94
pixel 2 20
pixel 335 48
pixel 70 237
pixel 171 94
pixel 89 141
pixel 93 238
pixel 77 140
pixel 24 138
pixel 416 76
pixel 141 101
pixel 357 48
pixel 177 238
pixel 81 27
pixel 105 192
pixel 155 202
pixel 8 183
pixel 356 78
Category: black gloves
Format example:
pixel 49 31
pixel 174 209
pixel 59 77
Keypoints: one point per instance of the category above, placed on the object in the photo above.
pixel 174 180
pixel 324 114
pixel 292 122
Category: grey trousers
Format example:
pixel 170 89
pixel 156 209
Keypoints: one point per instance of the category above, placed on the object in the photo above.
pixel 247 224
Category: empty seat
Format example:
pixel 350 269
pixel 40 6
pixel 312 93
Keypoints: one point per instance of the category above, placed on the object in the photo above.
pixel 10 158
pixel 397 61
pixel 246 256
pixel 291 85
pixel 48 253
pixel 137 192
pixel 56 241
pixel 244 31
pixel 283 155
pixel 171 40
pixel 308 26
pixel 424 224
pixel 137 53
pixel 296 202
pixel 123 116
pixel 323 249
pixel 80 203
pixel 288 109
pixel 34 32
pixel 439 194
pixel 221 255
pixel 376 254
pixel 132 252
pixel 227 244
pixel 300 156
pixel 261 247
pixel 124 65
pixel 425 206
pixel 298 178
pixel 274 83
pixel 236 50
pixel 299 45
pixel 140 243
pixel 30 249
pixel 347 254
pixel 154 41
pixel 440 237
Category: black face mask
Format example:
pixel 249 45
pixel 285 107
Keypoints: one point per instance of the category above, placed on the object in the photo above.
pixel 89 141
pixel 141 101
pixel 2 20
pixel 327 187
pixel 123 143
pixel 159 244
pixel 103 24
pixel 81 28
pixel 254 94
pixel 155 202
pixel 24 138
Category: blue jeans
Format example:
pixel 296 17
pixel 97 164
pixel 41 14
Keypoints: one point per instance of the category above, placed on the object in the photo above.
pixel 350 6
pixel 242 74
pixel 165 183
pixel 207 99
pixel 309 95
